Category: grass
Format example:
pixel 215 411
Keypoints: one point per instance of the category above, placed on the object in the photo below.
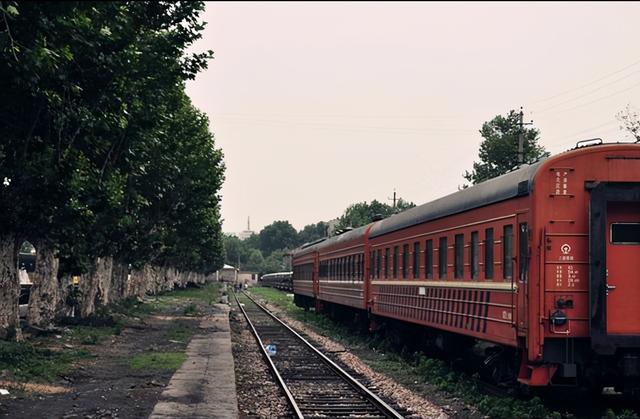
pixel 158 360
pixel 27 362
pixel 179 332
pixel 414 370
pixel 91 335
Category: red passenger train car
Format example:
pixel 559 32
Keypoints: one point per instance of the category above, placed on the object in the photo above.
pixel 543 262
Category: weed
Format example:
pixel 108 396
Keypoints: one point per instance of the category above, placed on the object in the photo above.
pixel 191 310
pixel 179 332
pixel 88 335
pixel 27 362
pixel 158 360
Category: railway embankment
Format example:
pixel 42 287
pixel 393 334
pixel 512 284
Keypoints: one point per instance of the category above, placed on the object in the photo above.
pixel 115 363
pixel 425 385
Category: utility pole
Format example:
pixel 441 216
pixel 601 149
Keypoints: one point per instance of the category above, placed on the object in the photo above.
pixel 521 123
pixel 394 199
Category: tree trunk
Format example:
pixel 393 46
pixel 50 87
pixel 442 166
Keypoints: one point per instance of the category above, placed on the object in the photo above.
pixel 92 285
pixel 119 276
pixel 45 293
pixel 9 288
pixel 105 274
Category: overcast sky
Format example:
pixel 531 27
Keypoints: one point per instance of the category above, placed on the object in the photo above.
pixel 320 105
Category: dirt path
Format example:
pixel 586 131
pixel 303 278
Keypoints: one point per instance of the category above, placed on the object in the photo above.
pixel 107 385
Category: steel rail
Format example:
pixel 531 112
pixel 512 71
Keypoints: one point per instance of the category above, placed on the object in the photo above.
pixel 377 401
pixel 274 370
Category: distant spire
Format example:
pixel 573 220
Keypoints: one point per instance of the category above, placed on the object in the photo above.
pixel 248 224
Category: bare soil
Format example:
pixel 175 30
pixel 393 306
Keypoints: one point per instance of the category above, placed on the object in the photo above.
pixel 105 386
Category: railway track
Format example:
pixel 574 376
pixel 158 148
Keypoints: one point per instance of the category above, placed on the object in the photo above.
pixel 314 386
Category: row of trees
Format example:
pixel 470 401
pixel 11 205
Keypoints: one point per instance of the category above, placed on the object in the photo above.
pixel 266 251
pixel 105 163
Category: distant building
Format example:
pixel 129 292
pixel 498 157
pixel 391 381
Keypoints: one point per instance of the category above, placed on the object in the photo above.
pixel 228 273
pixel 243 235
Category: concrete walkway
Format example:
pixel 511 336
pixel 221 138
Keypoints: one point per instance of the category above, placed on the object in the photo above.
pixel 205 385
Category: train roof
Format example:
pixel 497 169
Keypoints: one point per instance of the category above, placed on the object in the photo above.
pixel 510 185
pixel 277 274
pixel 340 238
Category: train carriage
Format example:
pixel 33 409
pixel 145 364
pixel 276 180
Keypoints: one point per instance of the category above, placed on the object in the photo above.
pixel 543 260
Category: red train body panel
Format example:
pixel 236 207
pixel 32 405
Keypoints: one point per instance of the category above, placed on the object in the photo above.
pixel 545 259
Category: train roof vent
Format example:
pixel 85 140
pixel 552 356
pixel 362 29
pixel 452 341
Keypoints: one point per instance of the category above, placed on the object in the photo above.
pixel 304 246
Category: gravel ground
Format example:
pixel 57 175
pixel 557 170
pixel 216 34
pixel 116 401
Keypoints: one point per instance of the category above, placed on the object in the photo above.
pixel 258 395
pixel 405 398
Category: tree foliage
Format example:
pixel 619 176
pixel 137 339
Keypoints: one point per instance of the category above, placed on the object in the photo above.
pixel 629 119
pixel 499 149
pixel 103 152
pixel 362 213
pixel 277 235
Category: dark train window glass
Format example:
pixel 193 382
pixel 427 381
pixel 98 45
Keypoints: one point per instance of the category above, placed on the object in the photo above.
pixel 459 256
pixel 416 260
pixel 395 261
pixel 474 251
pixel 386 262
pixel 342 268
pixel 428 259
pixel 442 258
pixel 625 233
pixel 372 263
pixel 523 252
pixel 352 266
pixel 378 260
pixel 405 261
pixel 507 252
pixel 488 253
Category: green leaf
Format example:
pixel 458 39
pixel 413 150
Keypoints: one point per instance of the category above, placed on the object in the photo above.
pixel 12 10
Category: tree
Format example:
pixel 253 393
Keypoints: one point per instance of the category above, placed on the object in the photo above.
pixel 630 120
pixel 312 232
pixel 102 152
pixel 361 213
pixel 277 235
pixel 499 149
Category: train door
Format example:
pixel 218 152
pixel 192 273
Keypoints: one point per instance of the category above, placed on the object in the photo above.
pixel 522 275
pixel 623 268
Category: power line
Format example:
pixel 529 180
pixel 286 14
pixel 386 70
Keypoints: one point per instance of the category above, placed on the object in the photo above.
pixel 627 89
pixel 587 84
pixel 588 93
pixel 348 127
pixel 553 140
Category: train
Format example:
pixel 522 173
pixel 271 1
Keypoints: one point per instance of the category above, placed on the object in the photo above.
pixel 542 264
pixel 278 280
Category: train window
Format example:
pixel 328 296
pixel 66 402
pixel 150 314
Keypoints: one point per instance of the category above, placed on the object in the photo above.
pixel 625 233
pixel 362 266
pixel 523 257
pixel 372 263
pixel 378 260
pixel 507 252
pixel 395 261
pixel 488 253
pixel 386 262
pixel 405 261
pixel 428 259
pixel 459 256
pixel 416 260
pixel 442 258
pixel 474 252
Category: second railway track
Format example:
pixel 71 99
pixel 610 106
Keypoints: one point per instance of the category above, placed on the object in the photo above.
pixel 314 385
